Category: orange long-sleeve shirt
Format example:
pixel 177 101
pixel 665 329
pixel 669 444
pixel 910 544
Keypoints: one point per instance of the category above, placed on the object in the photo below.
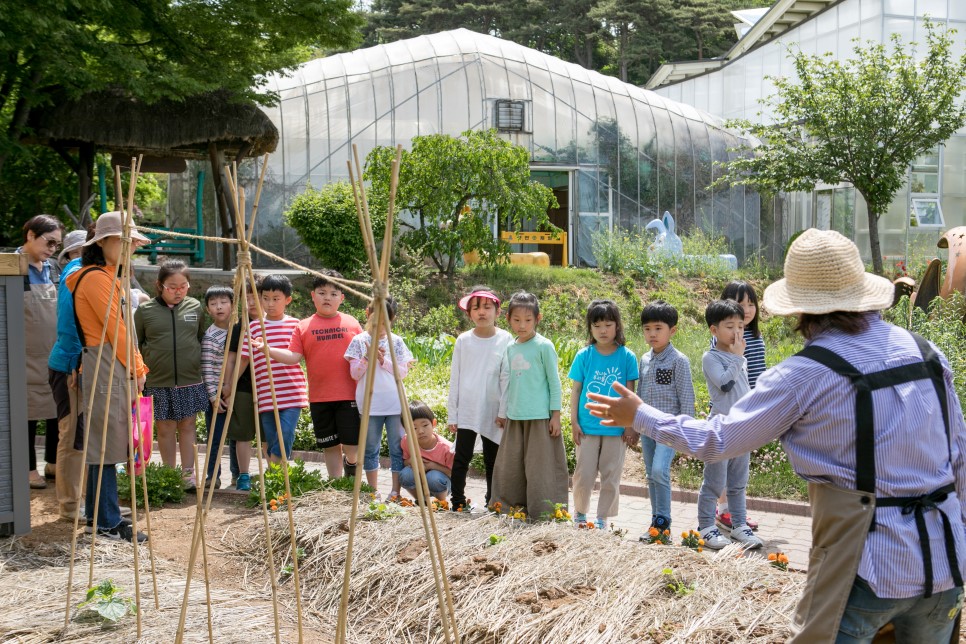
pixel 90 302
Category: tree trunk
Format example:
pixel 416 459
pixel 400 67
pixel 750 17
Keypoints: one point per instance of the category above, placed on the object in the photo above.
pixel 226 207
pixel 85 175
pixel 874 247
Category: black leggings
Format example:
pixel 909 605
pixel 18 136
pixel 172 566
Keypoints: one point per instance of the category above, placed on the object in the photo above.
pixel 465 442
pixel 50 441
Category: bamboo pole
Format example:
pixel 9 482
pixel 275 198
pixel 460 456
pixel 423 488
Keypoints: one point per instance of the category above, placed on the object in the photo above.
pixel 204 552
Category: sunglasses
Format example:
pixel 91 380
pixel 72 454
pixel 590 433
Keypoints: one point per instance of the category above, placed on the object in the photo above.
pixel 52 244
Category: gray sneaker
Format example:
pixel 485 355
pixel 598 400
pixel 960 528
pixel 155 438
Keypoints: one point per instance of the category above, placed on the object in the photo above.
pixel 713 539
pixel 746 537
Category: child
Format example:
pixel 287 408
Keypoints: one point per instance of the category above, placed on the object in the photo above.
pixel 665 384
pixel 241 427
pixel 323 339
pixel 384 410
pixel 599 449
pixel 474 389
pixel 724 369
pixel 744 294
pixel 531 466
pixel 169 331
pixel 218 302
pixel 275 293
pixel 437 453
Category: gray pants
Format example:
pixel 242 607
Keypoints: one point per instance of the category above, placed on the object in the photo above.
pixel 730 475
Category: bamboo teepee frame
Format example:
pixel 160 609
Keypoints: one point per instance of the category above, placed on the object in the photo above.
pixel 244 282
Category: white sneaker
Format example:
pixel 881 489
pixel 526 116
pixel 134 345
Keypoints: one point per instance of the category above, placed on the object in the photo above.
pixel 713 539
pixel 744 535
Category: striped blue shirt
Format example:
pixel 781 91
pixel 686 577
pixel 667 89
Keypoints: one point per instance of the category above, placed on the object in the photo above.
pixel 812 410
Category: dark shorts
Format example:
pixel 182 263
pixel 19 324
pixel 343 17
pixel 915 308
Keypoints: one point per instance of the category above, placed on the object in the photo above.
pixel 335 423
pixel 175 403
pixel 241 427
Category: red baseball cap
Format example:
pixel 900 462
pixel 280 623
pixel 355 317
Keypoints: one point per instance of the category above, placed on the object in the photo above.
pixel 486 295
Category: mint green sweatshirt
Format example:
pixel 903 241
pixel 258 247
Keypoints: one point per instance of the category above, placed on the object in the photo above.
pixel 529 382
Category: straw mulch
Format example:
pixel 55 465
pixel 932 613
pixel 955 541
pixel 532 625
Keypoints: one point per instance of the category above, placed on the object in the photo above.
pixel 544 583
pixel 33 600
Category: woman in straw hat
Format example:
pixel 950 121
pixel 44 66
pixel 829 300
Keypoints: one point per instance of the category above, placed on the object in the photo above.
pixel 97 303
pixel 868 416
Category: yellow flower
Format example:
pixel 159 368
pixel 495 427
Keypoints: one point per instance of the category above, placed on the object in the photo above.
pixel 685 535
pixel 700 548
pixel 700 542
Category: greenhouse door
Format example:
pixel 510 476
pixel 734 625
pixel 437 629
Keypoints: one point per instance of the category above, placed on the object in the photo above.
pixel 560 182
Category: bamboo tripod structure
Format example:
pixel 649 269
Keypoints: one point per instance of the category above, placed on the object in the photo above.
pixel 120 284
pixel 380 290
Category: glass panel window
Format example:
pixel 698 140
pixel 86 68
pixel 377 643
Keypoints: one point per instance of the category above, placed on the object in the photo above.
pixel 925 173
pixel 927 212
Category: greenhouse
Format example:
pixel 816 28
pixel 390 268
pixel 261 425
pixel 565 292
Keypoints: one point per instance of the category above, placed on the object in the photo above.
pixel 616 155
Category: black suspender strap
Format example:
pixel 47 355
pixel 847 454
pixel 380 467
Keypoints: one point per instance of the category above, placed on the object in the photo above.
pixel 931 369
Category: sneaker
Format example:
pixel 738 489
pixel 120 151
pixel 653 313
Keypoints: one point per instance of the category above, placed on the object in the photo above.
pixel 217 483
pixel 348 469
pixel 600 523
pixel 234 481
pixel 125 511
pixel 659 522
pixel 244 483
pixel 724 522
pixel 746 537
pixel 89 525
pixel 123 532
pixel 713 539
pixel 580 519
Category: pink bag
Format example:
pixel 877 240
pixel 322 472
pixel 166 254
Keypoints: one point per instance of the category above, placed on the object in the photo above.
pixel 142 415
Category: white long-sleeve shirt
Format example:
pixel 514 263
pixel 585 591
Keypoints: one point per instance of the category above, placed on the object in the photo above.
pixel 474 383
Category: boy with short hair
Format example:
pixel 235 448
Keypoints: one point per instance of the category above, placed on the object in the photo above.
pixel 665 383
pixel 218 302
pixel 241 427
pixel 275 293
pixel 437 453
pixel 322 339
pixel 726 371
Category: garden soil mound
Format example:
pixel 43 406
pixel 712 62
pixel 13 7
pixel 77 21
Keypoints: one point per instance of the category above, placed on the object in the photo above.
pixel 546 582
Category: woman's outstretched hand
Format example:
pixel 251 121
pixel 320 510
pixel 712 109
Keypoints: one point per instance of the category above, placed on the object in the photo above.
pixel 615 412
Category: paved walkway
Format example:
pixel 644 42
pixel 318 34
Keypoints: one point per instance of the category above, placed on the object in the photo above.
pixel 788 533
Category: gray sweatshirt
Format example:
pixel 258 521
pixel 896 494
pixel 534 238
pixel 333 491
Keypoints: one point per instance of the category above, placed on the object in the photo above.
pixel 727 377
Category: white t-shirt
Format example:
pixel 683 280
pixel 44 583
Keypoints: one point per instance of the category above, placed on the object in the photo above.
pixel 474 383
pixel 385 398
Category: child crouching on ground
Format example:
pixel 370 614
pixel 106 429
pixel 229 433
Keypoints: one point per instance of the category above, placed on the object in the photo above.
pixel 437 453
pixel 531 466
pixel 599 448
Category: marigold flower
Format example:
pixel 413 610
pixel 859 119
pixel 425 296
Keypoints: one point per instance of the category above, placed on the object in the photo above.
pixel 685 535
pixel 782 559
pixel 653 531
pixel 667 533
pixel 700 549
pixel 772 556
pixel 700 542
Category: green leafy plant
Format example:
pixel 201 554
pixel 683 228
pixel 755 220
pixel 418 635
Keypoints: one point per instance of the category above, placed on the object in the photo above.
pixel 346 483
pixel 676 585
pixel 431 350
pixel 301 480
pixel 381 511
pixel 558 514
pixel 165 485
pixel 495 540
pixel 104 603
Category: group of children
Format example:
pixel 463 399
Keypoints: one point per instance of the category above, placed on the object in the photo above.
pixel 505 393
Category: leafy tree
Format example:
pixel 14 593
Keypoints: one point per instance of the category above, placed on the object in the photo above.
pixel 327 222
pixel 455 187
pixel 862 120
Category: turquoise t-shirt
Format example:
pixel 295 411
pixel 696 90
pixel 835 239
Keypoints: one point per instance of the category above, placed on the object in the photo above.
pixel 597 373
pixel 529 378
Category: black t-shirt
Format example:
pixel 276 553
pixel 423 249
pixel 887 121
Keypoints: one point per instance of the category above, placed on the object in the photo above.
pixel 245 379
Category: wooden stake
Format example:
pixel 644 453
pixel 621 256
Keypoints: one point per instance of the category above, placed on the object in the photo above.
pixel 204 553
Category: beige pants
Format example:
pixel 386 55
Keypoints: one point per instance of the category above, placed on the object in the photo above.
pixel 531 468
pixel 604 454
pixel 70 462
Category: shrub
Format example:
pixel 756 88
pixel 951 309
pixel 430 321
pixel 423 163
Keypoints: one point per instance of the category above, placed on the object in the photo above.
pixel 622 252
pixel 165 485
pixel 328 225
pixel 300 481
pixel 438 321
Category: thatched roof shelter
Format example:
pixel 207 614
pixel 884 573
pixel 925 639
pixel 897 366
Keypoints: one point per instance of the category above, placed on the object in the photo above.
pixel 114 122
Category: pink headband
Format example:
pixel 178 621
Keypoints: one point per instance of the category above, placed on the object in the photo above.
pixel 486 295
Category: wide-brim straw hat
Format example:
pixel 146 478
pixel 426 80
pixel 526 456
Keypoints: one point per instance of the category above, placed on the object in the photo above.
pixel 824 273
pixel 109 224
pixel 74 240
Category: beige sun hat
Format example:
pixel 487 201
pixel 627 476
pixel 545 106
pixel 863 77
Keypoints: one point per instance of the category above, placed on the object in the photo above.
pixel 824 273
pixel 109 224
pixel 75 239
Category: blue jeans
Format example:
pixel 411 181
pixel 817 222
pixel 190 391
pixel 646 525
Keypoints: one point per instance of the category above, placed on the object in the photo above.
pixel 729 475
pixel 438 482
pixel 657 464
pixel 108 510
pixel 289 419
pixel 920 620
pixel 394 434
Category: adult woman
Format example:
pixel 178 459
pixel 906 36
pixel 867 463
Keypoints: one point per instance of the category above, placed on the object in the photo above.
pixel 96 292
pixel 42 236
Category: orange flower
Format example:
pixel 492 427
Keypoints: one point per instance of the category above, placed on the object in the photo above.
pixel 685 535
pixel 653 531
pixel 772 556
pixel 782 558
pixel 667 533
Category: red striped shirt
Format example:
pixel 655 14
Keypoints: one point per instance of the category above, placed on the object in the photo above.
pixel 290 385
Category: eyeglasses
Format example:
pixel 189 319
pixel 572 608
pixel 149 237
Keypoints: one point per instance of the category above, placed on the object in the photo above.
pixel 52 244
pixel 177 289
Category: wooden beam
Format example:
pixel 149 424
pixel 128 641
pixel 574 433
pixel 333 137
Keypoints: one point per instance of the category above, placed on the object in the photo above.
pixel 13 264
